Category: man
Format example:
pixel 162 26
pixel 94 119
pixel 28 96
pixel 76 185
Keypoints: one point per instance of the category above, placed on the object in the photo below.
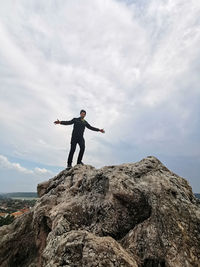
pixel 77 136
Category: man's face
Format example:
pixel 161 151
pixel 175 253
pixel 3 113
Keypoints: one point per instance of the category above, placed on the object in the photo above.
pixel 82 115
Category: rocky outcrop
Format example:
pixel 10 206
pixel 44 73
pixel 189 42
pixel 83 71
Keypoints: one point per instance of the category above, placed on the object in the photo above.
pixel 135 214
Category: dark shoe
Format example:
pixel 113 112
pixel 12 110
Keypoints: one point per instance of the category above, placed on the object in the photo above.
pixel 69 167
pixel 81 163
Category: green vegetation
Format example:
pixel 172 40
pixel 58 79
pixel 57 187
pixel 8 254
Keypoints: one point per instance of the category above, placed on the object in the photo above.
pixel 9 205
pixel 7 220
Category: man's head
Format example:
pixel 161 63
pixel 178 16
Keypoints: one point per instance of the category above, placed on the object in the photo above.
pixel 82 113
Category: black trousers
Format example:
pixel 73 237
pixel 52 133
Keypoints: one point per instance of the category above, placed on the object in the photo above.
pixel 74 142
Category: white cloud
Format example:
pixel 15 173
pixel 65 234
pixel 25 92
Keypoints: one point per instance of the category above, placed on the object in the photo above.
pixel 6 164
pixel 131 64
pixel 16 178
pixel 41 170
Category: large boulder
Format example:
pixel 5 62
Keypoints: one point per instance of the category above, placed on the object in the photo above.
pixel 135 214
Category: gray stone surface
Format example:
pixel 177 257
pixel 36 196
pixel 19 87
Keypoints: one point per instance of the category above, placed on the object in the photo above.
pixel 135 214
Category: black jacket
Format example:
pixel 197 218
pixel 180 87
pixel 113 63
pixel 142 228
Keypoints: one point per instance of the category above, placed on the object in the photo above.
pixel 79 126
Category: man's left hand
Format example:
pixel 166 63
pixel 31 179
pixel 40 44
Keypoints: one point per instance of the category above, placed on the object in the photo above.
pixel 102 131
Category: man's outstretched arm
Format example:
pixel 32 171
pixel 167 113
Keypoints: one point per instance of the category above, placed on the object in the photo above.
pixel 64 122
pixel 94 128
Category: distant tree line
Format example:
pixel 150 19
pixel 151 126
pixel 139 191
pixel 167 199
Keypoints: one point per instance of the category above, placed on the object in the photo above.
pixel 19 194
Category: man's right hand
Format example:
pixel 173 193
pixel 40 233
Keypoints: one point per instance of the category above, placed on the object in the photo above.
pixel 57 122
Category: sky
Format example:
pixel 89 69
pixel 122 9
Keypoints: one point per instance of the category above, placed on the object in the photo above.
pixel 132 65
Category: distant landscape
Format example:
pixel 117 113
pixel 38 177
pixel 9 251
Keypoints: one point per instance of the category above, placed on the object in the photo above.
pixel 13 205
pixel 19 195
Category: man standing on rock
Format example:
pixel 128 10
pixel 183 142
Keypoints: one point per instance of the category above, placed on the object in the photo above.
pixel 77 136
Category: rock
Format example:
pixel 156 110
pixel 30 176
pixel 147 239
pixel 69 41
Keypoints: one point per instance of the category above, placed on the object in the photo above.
pixel 135 214
pixel 17 244
pixel 81 248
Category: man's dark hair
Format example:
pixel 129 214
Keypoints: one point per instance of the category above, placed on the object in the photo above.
pixel 82 110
